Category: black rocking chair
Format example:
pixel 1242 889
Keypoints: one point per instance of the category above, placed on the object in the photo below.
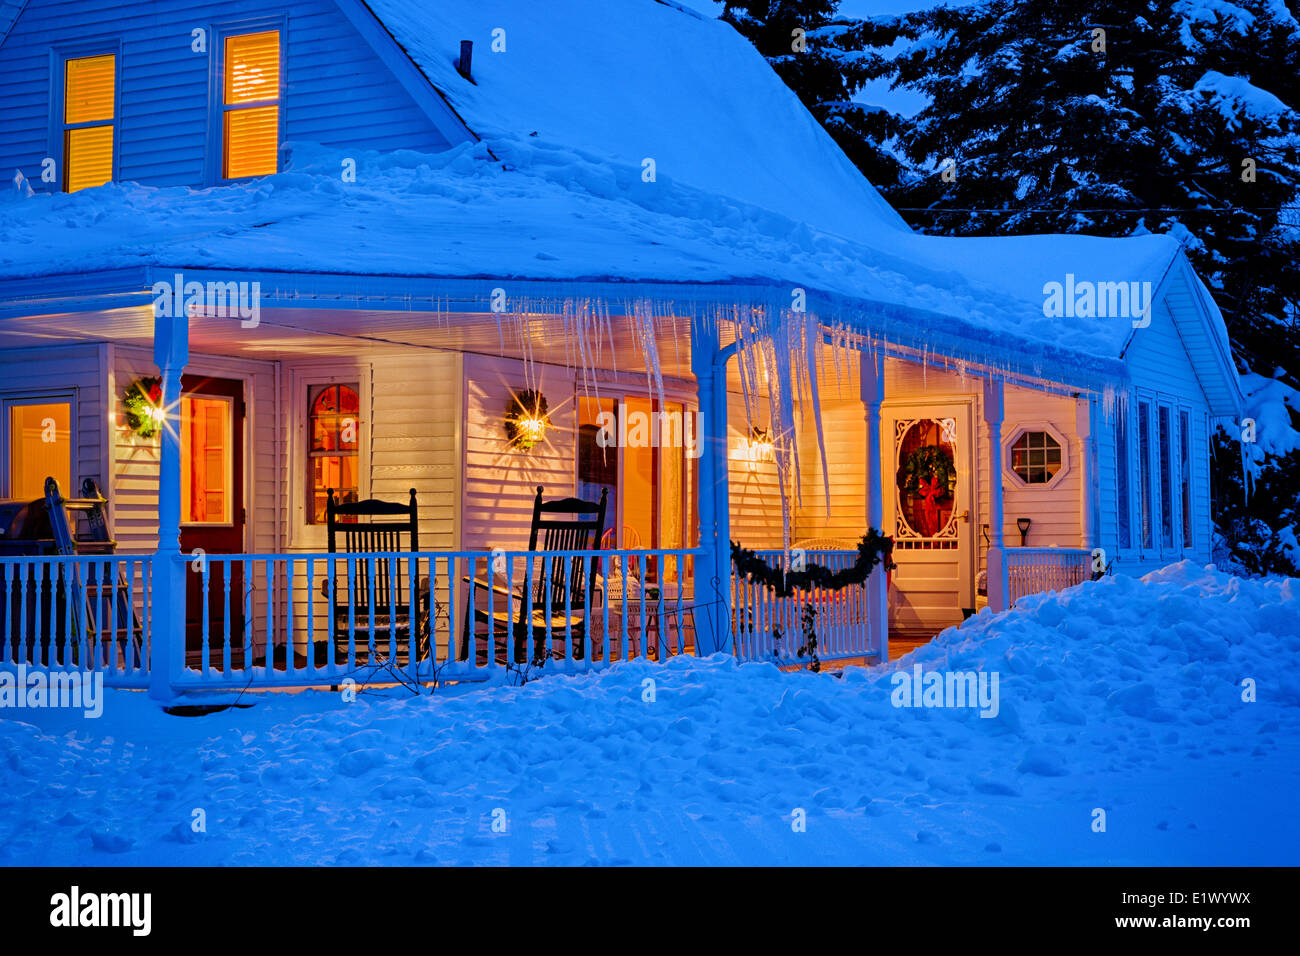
pixel 380 585
pixel 568 579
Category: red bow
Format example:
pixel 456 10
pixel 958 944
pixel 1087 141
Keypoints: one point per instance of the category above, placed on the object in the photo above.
pixel 930 490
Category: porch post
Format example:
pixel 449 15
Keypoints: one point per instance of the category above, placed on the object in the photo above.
pixel 997 573
pixel 1085 426
pixel 167 620
pixel 712 572
pixel 873 393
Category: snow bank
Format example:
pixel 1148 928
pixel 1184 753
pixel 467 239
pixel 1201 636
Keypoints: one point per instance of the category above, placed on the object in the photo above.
pixel 1123 695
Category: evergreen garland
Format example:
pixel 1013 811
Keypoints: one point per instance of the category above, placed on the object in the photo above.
pixel 140 403
pixel 872 550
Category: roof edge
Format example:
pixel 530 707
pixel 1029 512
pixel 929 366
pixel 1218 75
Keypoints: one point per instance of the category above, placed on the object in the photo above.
pixel 407 72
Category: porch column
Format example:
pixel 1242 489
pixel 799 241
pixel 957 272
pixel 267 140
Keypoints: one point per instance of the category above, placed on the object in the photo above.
pixel 713 571
pixel 997 572
pixel 167 619
pixel 1085 426
pixel 873 393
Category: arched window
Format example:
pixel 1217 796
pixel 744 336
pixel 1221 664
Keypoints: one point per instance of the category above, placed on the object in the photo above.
pixel 333 430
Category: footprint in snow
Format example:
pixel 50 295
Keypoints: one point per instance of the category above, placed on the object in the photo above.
pixel 110 842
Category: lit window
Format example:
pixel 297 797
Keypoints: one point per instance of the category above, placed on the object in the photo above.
pixel 642 461
pixel 251 105
pixel 40 447
pixel 1036 457
pixel 207 456
pixel 333 428
pixel 88 95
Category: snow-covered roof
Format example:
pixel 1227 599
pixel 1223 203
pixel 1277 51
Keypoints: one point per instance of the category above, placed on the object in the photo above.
pixel 747 186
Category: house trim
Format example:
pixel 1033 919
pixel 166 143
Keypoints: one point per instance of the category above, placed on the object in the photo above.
pixel 407 72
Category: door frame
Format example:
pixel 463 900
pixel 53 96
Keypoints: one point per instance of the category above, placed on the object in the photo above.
pixel 967 560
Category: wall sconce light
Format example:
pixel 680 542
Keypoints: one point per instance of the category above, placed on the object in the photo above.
pixel 1023 524
pixel 761 446
pixel 526 419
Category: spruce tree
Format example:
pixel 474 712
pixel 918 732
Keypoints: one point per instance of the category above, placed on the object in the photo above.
pixel 801 40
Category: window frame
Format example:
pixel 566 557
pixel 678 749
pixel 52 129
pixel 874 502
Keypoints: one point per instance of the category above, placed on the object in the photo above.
pixel 38 397
pixel 1186 515
pixel 300 379
pixel 56 137
pixel 231 478
pixel 619 393
pixel 310 454
pixel 1017 431
pixel 1125 447
pixel 219 33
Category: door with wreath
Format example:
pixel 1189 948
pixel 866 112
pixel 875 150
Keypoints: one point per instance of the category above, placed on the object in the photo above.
pixel 927 484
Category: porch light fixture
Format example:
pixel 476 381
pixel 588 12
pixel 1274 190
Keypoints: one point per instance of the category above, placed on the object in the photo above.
pixel 526 419
pixel 761 446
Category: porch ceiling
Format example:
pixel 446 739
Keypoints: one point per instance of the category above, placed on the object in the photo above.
pixel 335 332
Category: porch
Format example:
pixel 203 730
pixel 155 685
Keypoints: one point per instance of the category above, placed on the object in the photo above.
pixel 164 613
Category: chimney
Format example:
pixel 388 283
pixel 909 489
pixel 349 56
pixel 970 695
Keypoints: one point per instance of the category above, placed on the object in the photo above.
pixel 464 64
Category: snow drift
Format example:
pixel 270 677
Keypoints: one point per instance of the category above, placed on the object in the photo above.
pixel 1122 695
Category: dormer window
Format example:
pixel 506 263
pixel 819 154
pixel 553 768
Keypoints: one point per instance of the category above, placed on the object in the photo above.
pixel 89 97
pixel 251 105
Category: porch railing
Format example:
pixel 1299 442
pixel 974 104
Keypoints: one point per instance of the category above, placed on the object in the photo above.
pixel 78 613
pixel 1032 570
pixel 767 627
pixel 317 619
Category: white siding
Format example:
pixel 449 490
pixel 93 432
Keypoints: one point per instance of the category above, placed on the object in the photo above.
pixel 79 369
pixel 134 487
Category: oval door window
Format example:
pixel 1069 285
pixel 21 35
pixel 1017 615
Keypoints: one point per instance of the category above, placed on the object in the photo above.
pixel 927 476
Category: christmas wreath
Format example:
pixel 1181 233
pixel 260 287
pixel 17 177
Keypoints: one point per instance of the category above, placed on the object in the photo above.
pixel 526 418
pixel 142 406
pixel 872 550
pixel 927 470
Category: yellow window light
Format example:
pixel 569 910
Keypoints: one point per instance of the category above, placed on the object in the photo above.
pixel 89 85
pixel 251 100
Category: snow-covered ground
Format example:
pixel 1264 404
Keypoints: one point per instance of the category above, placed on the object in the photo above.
pixel 1123 695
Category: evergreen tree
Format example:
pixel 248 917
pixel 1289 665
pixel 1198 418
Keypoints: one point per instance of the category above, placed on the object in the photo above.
pixel 1112 118
pixel 801 39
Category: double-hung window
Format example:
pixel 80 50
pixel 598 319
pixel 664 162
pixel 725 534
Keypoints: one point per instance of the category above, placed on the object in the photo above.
pixel 89 110
pixel 250 104
pixel 1145 491
pixel 1166 460
pixel 1185 473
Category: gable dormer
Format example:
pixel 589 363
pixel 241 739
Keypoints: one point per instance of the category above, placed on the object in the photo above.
pixel 172 93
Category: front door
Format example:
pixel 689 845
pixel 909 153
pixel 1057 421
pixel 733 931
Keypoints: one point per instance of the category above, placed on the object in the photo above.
pixel 927 502
pixel 212 508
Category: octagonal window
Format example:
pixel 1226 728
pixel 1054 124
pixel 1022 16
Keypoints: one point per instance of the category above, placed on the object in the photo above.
pixel 1036 457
